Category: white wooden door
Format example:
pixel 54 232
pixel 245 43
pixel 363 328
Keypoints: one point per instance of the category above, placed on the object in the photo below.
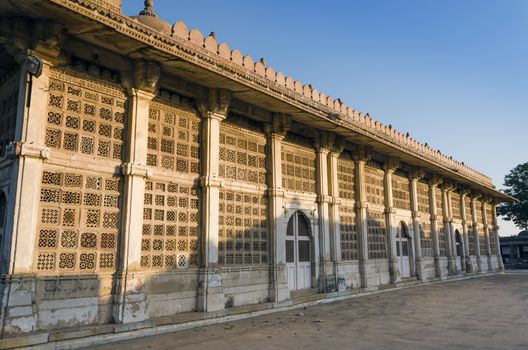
pixel 458 246
pixel 298 252
pixel 402 252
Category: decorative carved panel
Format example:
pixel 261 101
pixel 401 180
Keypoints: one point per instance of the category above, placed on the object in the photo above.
pixel 442 239
pixel 242 155
pixel 455 205
pixel 374 184
pixel 423 197
pixel 349 234
pixel 469 214
pixel 298 169
pixel 439 206
pixel 85 116
pixel 173 137
pixel 170 226
pixel 400 192
pixel 346 179
pixel 471 241
pixel 377 235
pixel 482 241
pixel 79 221
pixel 425 238
pixel 243 235
pixel 478 206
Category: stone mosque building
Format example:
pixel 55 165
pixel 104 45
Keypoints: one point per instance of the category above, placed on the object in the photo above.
pixel 150 175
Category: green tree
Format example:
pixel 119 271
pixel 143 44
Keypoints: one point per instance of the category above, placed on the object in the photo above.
pixel 516 183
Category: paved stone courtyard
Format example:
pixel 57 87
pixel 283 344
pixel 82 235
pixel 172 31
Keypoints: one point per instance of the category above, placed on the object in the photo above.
pixel 482 313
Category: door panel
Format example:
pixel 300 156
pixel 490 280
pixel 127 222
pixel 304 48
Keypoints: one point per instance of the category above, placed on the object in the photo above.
pixel 298 253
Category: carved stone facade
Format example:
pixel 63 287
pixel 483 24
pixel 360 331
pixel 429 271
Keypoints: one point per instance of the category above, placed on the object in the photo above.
pixel 133 189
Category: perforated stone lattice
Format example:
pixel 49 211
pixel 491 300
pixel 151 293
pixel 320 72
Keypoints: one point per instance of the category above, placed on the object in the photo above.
pixel 79 222
pixel 298 169
pixel 85 117
pixel 242 155
pixel 243 235
pixel 442 244
pixel 376 235
pixel 455 206
pixel 374 186
pixel 439 207
pixel 173 141
pixel 400 192
pixel 349 234
pixel 170 226
pixel 422 190
pixel 425 238
pixel 471 241
pixel 346 179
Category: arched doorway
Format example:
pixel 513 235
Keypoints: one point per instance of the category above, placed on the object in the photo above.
pixel 298 252
pixel 403 250
pixel 458 250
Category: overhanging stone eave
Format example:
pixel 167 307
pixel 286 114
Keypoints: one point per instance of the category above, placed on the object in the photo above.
pixel 270 97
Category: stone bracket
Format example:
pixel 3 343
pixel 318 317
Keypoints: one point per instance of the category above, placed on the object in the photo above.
pixel 208 181
pixel 361 205
pixel 323 198
pixel 29 150
pixel 135 169
pixel 390 210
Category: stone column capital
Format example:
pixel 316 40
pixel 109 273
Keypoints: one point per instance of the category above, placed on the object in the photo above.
pixel 435 181
pixel 416 174
pixel 214 103
pixel 146 75
pixel 390 165
pixel 362 154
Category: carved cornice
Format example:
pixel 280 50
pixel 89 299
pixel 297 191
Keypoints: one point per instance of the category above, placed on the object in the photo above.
pixel 191 46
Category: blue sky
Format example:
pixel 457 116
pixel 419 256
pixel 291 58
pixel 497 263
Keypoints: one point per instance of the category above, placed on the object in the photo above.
pixel 453 73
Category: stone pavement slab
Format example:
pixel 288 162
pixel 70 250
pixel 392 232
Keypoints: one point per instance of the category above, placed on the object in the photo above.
pixel 481 313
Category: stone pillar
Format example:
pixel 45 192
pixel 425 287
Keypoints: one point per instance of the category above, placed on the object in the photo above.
pixel 213 110
pixel 17 308
pixel 276 131
pixel 415 176
pixel 434 224
pixel 323 199
pixel 360 158
pixel 333 191
pixel 495 232
pixel 130 305
pixel 475 231
pixel 467 259
pixel 448 228
pixel 390 166
pixel 486 232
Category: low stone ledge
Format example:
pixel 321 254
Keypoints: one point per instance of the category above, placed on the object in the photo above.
pixel 24 341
